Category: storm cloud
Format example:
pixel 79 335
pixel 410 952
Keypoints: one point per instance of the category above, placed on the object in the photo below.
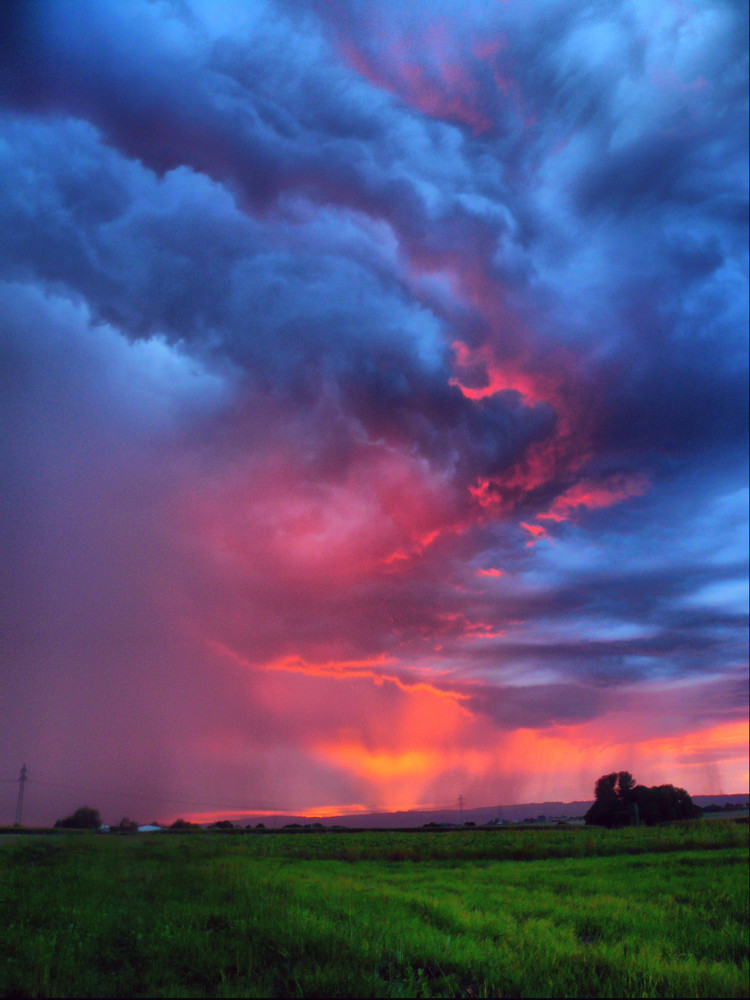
pixel 375 393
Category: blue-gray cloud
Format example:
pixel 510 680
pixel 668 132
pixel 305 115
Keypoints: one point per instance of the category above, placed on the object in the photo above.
pixel 316 315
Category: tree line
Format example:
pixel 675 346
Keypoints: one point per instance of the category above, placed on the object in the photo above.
pixel 618 801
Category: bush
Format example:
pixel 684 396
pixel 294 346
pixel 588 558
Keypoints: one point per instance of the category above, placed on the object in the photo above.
pixel 84 818
pixel 183 824
pixel 126 825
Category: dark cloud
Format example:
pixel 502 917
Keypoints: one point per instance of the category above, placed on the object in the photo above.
pixel 362 352
pixel 539 705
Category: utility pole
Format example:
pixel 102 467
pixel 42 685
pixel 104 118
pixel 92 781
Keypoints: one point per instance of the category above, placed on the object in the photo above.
pixel 19 804
pixel 461 807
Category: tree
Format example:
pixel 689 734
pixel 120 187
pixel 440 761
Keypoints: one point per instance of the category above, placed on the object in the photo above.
pixel 625 785
pixel 84 818
pixel 182 824
pixel 620 802
pixel 664 803
pixel 613 800
pixel 127 825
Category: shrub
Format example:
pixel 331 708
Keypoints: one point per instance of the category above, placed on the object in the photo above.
pixel 84 818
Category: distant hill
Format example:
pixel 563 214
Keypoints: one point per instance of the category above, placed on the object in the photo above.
pixel 485 814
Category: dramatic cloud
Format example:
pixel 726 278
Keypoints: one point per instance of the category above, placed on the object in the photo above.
pixel 375 392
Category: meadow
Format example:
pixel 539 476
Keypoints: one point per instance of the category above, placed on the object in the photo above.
pixel 471 913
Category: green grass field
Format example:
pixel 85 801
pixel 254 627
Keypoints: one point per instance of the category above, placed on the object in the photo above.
pixel 476 913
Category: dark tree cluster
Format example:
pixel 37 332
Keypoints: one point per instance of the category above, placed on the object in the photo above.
pixel 618 801
pixel 82 819
pixel 126 825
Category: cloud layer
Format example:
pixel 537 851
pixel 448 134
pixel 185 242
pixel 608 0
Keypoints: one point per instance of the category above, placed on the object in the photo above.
pixel 375 385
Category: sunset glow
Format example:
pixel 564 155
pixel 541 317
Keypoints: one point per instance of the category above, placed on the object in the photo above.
pixel 375 396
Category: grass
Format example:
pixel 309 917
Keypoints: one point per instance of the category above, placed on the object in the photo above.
pixel 554 913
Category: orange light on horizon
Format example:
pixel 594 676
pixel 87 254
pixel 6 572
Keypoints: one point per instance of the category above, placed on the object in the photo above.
pixel 421 759
pixel 303 812
pixel 405 745
pixel 561 762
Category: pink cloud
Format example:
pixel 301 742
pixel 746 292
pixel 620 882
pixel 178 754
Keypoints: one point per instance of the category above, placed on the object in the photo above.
pixel 536 531
pixel 437 82
pixel 593 495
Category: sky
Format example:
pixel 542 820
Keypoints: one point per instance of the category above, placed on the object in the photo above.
pixel 374 394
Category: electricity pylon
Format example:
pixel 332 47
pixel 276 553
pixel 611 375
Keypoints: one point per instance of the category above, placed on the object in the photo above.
pixel 19 804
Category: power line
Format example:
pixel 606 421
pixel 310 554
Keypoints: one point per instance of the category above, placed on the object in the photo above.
pixel 198 803
pixel 124 793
